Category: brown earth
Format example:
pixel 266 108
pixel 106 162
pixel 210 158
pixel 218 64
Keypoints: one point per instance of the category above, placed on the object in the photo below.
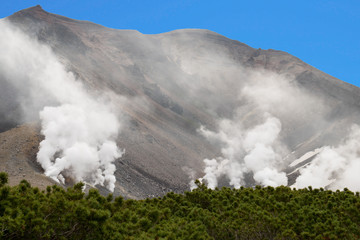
pixel 18 148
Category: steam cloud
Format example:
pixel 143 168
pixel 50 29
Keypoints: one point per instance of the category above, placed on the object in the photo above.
pixel 79 129
pixel 246 151
pixel 335 167
pixel 252 110
pixel 257 149
pixel 254 148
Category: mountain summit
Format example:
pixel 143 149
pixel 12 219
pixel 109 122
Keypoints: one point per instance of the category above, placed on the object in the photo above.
pixel 190 104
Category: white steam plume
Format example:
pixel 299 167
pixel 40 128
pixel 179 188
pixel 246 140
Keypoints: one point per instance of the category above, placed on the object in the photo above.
pixel 335 167
pixel 250 140
pixel 244 151
pixel 250 146
pixel 79 130
pixel 191 174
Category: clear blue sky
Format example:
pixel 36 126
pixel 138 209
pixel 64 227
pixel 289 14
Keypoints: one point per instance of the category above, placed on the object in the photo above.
pixel 323 33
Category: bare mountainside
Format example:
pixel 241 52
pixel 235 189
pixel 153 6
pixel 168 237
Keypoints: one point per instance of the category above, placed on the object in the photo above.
pixel 181 97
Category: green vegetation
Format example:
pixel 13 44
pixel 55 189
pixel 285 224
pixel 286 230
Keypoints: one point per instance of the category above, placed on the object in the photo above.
pixel 246 213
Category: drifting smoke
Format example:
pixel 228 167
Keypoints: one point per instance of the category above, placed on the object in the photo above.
pixel 246 151
pixel 191 174
pixel 79 130
pixel 335 167
pixel 249 146
pixel 81 137
pixel 258 115
pixel 251 141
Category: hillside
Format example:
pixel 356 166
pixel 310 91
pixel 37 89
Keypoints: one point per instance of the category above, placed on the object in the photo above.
pixel 165 88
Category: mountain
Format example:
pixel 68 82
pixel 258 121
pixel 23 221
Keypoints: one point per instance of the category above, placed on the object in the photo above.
pixel 173 83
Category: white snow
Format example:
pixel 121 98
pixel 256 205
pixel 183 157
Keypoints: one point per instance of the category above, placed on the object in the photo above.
pixel 306 156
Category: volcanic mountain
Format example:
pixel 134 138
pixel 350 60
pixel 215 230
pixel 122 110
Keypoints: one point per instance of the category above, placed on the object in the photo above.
pixel 175 92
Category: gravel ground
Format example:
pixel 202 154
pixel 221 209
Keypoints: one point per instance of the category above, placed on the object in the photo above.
pixel 18 148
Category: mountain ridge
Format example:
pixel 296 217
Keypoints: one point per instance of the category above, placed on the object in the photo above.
pixel 171 83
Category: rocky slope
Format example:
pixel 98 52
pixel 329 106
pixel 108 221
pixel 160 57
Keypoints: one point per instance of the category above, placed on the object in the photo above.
pixel 174 82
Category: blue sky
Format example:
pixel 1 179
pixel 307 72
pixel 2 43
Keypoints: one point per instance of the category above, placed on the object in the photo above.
pixel 323 33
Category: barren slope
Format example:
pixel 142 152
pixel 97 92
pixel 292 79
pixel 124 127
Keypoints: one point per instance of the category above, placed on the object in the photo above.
pixel 161 136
